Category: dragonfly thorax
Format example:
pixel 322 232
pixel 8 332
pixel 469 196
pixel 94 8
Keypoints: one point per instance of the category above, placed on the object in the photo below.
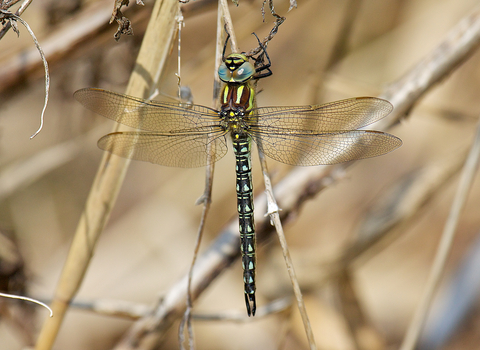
pixel 234 120
pixel 237 103
pixel 236 97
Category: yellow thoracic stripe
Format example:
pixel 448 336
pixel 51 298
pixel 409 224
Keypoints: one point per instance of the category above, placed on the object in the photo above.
pixel 239 93
pixel 251 99
pixel 225 94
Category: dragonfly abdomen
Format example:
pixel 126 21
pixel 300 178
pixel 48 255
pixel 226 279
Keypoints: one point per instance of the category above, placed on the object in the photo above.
pixel 241 147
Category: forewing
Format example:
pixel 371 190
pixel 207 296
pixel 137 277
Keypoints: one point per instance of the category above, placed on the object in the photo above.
pixel 349 114
pixel 163 117
pixel 328 148
pixel 184 150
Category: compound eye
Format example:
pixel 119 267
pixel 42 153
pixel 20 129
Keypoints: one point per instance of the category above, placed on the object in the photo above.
pixel 224 73
pixel 244 72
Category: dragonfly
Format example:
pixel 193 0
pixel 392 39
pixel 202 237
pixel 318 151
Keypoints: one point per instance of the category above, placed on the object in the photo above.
pixel 177 134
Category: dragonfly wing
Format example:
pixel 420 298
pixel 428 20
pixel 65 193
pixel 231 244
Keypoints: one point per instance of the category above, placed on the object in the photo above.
pixel 182 150
pixel 163 117
pixel 349 114
pixel 327 148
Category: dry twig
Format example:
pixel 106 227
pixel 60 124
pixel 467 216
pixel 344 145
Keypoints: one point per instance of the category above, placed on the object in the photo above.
pixel 224 20
pixel 19 12
pixel 150 62
pixel 21 297
pixel 445 245
pixel 124 24
pixel 394 212
pixel 12 19
pixel 66 40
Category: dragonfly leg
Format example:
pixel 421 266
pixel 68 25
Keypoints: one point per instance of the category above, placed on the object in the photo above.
pixel 226 41
pixel 259 65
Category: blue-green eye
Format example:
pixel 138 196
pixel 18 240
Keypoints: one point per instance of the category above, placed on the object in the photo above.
pixel 244 72
pixel 224 73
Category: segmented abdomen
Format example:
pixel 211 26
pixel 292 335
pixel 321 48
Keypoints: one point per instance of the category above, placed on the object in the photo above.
pixel 241 146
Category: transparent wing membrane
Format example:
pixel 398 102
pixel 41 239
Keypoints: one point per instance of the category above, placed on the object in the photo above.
pixel 174 150
pixel 327 148
pixel 178 134
pixel 145 115
pixel 185 135
pixel 349 114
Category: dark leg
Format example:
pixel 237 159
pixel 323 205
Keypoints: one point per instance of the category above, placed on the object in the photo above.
pixel 259 60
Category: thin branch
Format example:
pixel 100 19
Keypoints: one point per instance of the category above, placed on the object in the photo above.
pixel 67 40
pixel 134 311
pixel 72 37
pixel 12 17
pixel 20 297
pixel 459 44
pixel 278 22
pixel 393 213
pixel 19 12
pixel 229 26
pixel 206 200
pixel 223 19
pixel 445 245
pixel 273 213
pixel 275 306
pixel 6 4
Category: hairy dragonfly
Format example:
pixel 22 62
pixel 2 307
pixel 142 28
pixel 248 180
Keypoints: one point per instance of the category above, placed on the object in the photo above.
pixel 182 135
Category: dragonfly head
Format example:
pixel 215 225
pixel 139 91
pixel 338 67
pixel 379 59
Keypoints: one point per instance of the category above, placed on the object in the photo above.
pixel 236 69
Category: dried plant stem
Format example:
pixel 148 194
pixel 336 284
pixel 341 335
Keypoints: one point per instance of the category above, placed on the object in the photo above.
pixel 223 17
pixel 229 24
pixel 107 183
pixel 395 211
pixel 458 45
pixel 133 311
pixel 187 317
pixel 445 245
pixel 67 40
pixel 273 213
pixel 12 19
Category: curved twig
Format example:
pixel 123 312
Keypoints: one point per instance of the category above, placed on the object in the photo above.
pixel 445 245
pixel 20 297
pixel 12 18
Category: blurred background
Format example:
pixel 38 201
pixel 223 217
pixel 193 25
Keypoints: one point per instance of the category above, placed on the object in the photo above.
pixel 148 242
